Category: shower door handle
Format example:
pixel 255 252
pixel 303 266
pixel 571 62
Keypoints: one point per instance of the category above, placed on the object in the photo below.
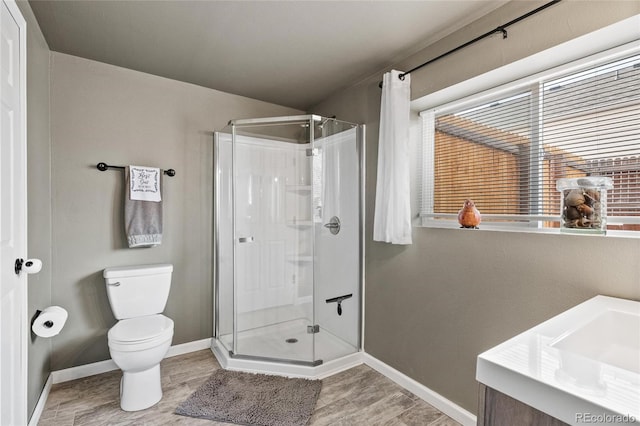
pixel 245 239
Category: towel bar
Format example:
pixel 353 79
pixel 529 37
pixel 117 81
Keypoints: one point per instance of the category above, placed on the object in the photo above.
pixel 104 166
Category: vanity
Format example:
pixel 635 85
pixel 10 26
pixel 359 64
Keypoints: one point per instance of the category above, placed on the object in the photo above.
pixel 579 367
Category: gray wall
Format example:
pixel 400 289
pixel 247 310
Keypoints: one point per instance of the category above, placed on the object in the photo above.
pixel 39 197
pixel 432 307
pixel 105 113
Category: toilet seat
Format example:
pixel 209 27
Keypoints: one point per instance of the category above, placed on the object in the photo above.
pixel 135 334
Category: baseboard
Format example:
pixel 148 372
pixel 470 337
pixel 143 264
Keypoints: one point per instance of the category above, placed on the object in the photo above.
pixel 42 401
pixel 448 407
pixel 318 372
pixel 185 348
pixel 81 371
pixel 99 367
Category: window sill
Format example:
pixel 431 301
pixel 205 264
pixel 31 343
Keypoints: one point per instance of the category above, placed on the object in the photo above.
pixel 527 229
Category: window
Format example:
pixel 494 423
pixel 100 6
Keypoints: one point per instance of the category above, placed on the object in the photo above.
pixel 507 150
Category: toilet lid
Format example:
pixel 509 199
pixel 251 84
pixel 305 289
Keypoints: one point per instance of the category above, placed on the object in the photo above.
pixel 140 329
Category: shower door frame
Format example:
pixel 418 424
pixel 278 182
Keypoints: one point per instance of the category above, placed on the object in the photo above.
pixel 360 146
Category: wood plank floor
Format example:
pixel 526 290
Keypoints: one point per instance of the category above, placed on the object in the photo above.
pixel 358 396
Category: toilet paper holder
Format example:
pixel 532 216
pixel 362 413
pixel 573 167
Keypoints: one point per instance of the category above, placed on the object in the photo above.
pixel 30 266
pixel 47 324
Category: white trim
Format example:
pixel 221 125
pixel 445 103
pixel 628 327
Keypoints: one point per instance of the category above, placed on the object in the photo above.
pixel 427 170
pixel 283 369
pixel 185 348
pixel 441 403
pixel 17 15
pixel 81 371
pixel 42 401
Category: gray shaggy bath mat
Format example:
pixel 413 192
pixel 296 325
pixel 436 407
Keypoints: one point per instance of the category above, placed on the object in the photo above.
pixel 253 399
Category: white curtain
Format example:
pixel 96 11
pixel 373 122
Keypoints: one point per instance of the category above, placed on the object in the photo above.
pixel 392 216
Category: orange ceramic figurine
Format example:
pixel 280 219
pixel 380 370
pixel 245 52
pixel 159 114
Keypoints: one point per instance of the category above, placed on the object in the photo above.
pixel 469 216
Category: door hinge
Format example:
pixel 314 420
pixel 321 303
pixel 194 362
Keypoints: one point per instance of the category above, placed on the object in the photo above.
pixel 312 329
pixel 311 152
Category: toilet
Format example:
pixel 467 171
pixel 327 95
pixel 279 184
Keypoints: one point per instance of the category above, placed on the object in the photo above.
pixel 142 336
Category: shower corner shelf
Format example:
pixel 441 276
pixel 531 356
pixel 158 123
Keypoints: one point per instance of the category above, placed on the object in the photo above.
pixel 298 188
pixel 300 258
pixel 300 223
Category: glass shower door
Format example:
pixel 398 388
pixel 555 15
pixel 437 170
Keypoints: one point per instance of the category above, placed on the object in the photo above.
pixel 273 242
pixel 337 237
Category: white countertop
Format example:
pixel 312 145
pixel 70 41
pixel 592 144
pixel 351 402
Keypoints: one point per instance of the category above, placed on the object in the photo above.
pixel 540 369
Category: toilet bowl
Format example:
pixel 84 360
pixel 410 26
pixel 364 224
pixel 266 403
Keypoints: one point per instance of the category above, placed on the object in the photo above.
pixel 142 336
pixel 137 346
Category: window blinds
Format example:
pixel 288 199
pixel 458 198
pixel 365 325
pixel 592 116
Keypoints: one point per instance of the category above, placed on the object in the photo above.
pixel 591 126
pixel 507 154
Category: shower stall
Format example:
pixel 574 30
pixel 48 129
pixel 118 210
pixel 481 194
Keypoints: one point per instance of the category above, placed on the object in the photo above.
pixel 289 245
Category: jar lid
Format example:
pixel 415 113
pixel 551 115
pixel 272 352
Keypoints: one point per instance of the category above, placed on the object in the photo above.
pixel 598 182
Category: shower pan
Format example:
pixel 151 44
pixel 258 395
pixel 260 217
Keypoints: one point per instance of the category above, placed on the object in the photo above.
pixel 289 245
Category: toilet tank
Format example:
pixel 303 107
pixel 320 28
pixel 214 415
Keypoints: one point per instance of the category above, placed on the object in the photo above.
pixel 136 291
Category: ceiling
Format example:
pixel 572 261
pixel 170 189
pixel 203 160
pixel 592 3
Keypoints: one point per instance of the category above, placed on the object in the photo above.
pixel 292 53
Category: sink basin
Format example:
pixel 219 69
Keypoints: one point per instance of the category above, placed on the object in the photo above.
pixel 584 360
pixel 612 338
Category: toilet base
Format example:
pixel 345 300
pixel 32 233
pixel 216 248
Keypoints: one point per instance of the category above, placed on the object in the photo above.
pixel 141 389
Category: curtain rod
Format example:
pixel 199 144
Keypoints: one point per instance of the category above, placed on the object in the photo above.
pixel 500 29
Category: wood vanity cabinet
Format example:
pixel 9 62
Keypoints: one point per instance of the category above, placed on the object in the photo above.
pixel 498 409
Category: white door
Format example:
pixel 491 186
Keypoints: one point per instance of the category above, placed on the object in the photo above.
pixel 13 224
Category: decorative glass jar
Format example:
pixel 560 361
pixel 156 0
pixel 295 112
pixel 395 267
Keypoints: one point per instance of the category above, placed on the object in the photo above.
pixel 583 204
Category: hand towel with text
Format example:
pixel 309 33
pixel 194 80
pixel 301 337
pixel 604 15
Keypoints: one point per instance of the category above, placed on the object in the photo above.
pixel 144 183
pixel 143 207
